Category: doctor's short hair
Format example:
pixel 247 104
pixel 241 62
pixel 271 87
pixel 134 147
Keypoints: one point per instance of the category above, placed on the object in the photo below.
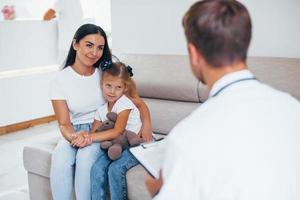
pixel 220 30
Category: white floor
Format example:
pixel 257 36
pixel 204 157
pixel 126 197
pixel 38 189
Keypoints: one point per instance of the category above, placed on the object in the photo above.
pixel 13 177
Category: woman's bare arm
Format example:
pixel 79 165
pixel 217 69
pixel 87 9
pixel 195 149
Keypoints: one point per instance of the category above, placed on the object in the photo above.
pixel 61 111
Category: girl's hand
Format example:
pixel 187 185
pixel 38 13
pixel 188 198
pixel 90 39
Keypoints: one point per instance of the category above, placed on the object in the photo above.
pixel 146 133
pixel 87 141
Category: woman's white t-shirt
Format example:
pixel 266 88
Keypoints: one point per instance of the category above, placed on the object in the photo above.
pixel 82 94
pixel 134 123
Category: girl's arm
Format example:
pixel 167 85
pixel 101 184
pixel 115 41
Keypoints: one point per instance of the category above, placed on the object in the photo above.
pixel 146 129
pixel 118 129
pixel 62 114
pixel 96 124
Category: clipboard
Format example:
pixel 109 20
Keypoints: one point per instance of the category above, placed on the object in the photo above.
pixel 150 155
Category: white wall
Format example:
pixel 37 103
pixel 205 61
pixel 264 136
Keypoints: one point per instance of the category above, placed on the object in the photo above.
pixel 154 26
pixel 24 45
pixel 28 8
pixel 35 9
pixel 148 26
pixel 276 27
pixel 27 43
pixel 25 98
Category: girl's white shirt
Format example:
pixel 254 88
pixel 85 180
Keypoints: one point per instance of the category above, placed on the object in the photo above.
pixel 134 123
pixel 82 94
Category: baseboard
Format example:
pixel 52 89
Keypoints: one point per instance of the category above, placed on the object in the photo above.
pixel 26 124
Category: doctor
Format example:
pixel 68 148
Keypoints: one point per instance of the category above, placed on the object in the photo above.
pixel 243 142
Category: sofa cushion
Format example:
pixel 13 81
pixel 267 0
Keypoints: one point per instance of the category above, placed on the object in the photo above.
pixel 37 157
pixel 37 161
pixel 166 114
pixel 165 77
pixel 280 73
pixel 170 77
pixel 136 183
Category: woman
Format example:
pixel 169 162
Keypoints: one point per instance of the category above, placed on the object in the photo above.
pixel 75 97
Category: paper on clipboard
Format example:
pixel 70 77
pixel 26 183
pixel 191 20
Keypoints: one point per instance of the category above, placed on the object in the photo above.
pixel 150 156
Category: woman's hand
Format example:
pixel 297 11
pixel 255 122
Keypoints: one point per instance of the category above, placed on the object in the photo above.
pixel 81 139
pixel 146 132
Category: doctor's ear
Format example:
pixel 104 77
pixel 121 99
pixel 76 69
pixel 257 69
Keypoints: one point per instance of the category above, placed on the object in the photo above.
pixel 194 54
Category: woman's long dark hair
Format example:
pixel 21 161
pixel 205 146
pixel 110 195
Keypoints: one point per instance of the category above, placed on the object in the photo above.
pixel 83 31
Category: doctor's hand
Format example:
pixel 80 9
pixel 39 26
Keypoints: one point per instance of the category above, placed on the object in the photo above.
pixel 153 185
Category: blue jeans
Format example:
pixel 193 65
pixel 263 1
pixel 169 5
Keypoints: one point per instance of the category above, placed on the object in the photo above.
pixel 106 172
pixel 71 166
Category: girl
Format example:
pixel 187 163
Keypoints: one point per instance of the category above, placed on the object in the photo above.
pixel 118 89
pixel 75 99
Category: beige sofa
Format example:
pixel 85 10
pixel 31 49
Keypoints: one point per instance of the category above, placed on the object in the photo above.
pixel 171 92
